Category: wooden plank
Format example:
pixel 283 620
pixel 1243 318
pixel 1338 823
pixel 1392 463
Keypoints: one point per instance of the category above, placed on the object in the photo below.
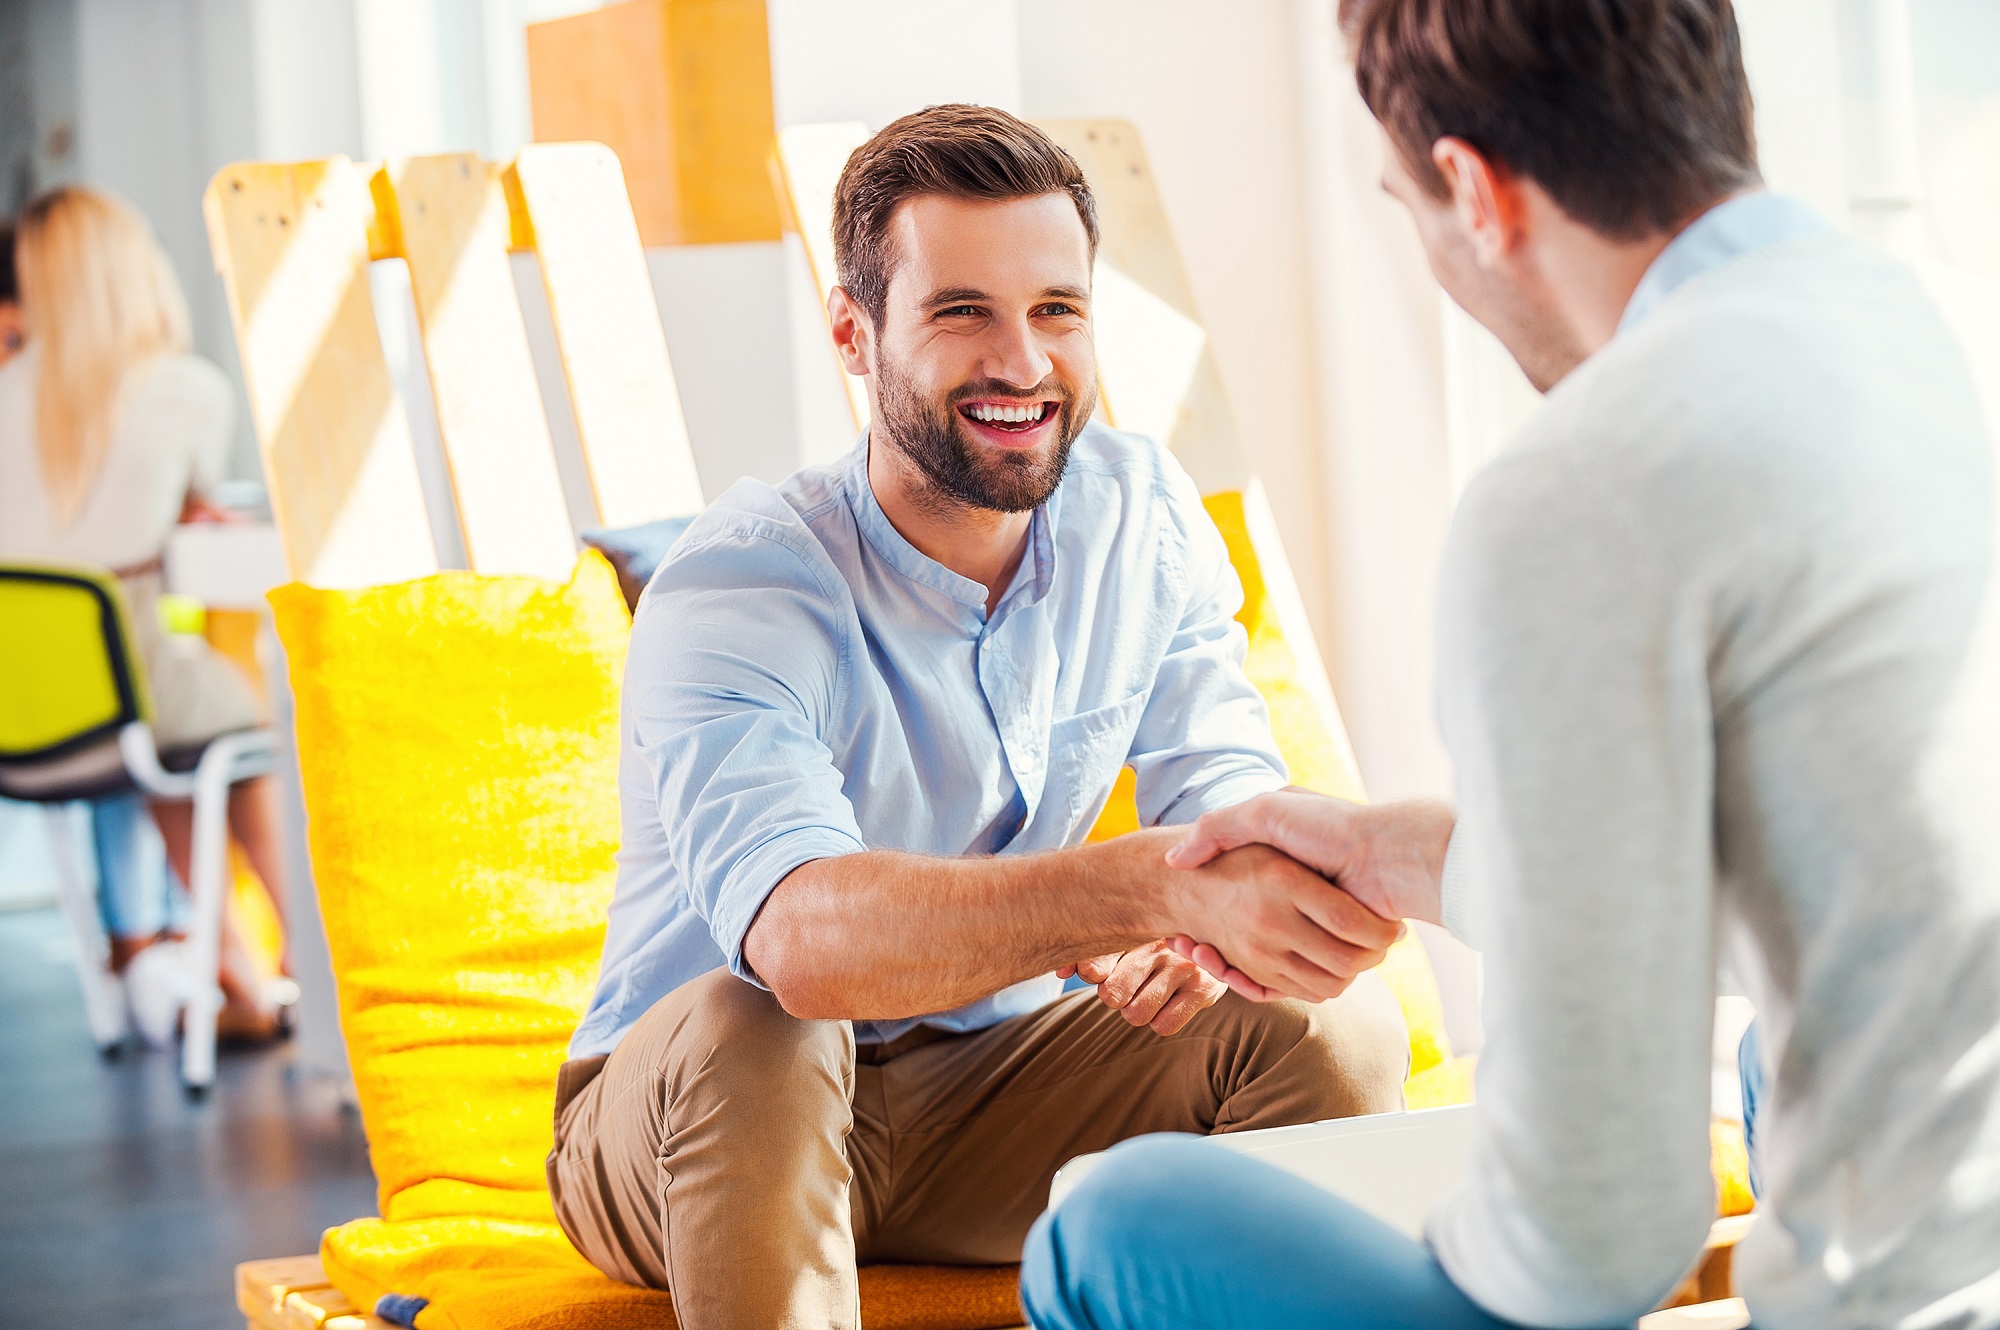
pixel 1157 371
pixel 570 204
pixel 292 245
pixel 806 164
pixel 681 91
pixel 451 220
pixel 261 1286
pixel 293 1293
pixel 1160 378
pixel 1729 1314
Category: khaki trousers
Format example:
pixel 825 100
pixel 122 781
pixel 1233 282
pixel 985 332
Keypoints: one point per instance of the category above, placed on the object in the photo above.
pixel 748 1160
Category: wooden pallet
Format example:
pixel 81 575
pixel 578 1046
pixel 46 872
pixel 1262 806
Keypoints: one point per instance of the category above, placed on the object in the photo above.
pixel 293 1293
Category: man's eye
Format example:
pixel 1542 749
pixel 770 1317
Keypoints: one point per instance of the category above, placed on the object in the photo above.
pixel 1059 310
pixel 960 312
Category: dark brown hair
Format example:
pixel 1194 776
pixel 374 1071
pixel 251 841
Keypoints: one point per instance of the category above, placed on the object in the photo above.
pixel 10 286
pixel 960 151
pixel 1632 114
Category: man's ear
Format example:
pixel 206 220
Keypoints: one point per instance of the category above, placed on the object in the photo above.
pixel 853 333
pixel 1487 199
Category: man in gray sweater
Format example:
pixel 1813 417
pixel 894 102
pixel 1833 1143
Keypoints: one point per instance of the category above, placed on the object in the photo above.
pixel 1720 675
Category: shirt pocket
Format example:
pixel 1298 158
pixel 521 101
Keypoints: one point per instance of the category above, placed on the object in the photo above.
pixel 1085 752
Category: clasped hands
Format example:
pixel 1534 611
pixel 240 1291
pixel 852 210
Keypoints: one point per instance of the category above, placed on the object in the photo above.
pixel 1291 894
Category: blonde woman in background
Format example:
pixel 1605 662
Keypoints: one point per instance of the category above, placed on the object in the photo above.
pixel 110 434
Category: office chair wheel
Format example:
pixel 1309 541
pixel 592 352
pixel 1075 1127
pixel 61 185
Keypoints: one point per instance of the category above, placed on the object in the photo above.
pixel 112 1051
pixel 195 1093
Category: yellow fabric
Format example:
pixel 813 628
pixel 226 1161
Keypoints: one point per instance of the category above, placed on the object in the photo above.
pixel 56 681
pixel 1440 1086
pixel 1318 761
pixel 1730 1163
pixel 1407 971
pixel 458 749
pixel 255 920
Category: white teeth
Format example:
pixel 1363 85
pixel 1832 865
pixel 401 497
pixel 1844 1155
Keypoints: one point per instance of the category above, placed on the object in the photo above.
pixel 1014 414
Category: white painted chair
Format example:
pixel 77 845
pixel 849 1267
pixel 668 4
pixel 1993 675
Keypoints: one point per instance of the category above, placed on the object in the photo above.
pixel 75 724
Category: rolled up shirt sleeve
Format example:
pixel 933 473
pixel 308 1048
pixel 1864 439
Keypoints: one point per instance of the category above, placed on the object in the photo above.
pixel 1204 740
pixel 728 710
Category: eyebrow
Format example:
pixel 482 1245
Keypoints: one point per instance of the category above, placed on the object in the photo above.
pixel 960 295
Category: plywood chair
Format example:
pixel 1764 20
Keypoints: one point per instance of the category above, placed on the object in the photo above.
pixel 467 1232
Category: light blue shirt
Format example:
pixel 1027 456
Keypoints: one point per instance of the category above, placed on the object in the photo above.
pixel 804 683
pixel 1742 225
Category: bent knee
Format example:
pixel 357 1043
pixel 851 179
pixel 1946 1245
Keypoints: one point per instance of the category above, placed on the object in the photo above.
pixel 727 1031
pixel 1117 1218
pixel 1362 1032
pixel 1345 1057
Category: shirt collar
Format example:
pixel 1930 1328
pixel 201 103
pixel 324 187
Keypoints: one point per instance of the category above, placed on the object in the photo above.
pixel 1035 574
pixel 1728 231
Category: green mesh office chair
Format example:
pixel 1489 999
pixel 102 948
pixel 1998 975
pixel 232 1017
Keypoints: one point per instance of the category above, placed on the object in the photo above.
pixel 75 724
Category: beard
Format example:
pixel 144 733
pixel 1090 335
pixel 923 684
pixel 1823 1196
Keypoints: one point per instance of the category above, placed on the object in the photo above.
pixel 961 471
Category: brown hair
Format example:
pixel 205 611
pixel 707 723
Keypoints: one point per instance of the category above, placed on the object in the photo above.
pixel 959 151
pixel 1632 114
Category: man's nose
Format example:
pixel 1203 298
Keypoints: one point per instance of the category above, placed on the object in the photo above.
pixel 1016 356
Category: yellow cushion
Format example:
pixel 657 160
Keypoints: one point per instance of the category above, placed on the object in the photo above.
pixel 1730 1163
pixel 458 750
pixel 458 746
pixel 1318 760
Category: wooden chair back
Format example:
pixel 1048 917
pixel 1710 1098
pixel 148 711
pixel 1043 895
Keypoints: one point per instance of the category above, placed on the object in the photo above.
pixel 294 241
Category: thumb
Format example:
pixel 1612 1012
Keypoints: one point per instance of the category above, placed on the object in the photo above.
pixel 1212 834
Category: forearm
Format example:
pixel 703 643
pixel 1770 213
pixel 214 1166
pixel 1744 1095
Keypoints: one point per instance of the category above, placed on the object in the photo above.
pixel 884 934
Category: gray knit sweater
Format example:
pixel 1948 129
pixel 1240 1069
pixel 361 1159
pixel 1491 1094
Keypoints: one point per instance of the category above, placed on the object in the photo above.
pixel 1720 674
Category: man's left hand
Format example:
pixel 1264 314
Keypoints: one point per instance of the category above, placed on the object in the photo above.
pixel 1150 985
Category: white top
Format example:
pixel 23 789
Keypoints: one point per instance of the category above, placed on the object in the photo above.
pixel 1720 670
pixel 170 435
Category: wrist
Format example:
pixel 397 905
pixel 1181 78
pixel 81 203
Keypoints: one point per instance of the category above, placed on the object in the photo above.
pixel 1141 896
pixel 1409 843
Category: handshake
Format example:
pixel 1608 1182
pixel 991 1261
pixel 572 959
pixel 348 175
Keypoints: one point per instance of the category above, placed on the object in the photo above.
pixel 1290 894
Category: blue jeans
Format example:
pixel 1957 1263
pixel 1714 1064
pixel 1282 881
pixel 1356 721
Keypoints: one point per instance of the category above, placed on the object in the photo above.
pixel 1179 1231
pixel 136 891
pixel 1175 1230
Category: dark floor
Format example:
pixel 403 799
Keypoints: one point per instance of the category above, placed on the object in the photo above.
pixel 123 1204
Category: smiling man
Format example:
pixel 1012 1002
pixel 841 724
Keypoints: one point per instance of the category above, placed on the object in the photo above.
pixel 869 717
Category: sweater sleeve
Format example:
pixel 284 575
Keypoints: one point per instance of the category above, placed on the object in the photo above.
pixel 1575 703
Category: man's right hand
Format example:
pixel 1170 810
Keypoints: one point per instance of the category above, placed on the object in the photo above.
pixel 1389 857
pixel 1286 930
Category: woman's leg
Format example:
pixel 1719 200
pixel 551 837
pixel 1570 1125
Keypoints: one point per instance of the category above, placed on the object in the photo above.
pixel 253 820
pixel 132 886
pixel 246 1010
pixel 1176 1230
